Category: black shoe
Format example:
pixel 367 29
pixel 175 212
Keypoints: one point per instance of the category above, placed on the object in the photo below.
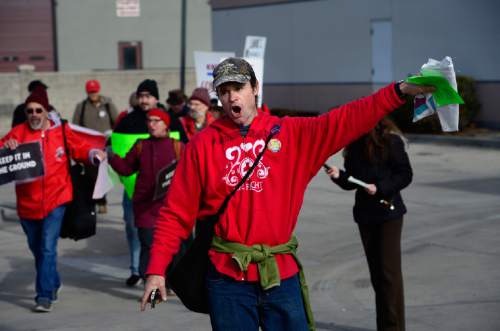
pixel 133 280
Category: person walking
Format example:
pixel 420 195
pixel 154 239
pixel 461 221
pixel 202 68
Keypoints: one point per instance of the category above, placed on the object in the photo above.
pixel 379 159
pixel 41 202
pixel 148 157
pixel 198 116
pixel 255 279
pixel 96 112
pixel 131 126
pixel 176 102
pixel 19 114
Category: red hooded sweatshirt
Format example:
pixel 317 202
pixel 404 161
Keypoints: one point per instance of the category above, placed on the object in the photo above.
pixel 266 207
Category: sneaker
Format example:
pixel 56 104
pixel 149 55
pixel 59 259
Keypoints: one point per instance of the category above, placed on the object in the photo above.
pixel 102 209
pixel 43 307
pixel 133 280
pixel 56 294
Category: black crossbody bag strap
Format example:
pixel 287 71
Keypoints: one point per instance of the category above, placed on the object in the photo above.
pixel 222 208
pixel 188 276
pixel 66 149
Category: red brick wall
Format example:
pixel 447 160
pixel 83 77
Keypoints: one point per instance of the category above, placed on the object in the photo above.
pixel 26 35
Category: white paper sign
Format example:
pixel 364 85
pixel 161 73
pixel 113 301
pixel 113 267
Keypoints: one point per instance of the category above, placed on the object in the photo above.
pixel 205 62
pixel 103 184
pixel 128 8
pixel 258 67
pixel 255 46
pixel 425 106
pixel 357 182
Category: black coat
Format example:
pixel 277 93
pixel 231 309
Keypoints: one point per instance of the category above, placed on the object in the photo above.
pixel 389 176
pixel 135 122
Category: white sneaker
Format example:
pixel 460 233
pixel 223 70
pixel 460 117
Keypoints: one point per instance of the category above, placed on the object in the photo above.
pixel 43 307
pixel 56 294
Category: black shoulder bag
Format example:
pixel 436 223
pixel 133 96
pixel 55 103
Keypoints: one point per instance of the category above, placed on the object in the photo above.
pixel 187 277
pixel 80 219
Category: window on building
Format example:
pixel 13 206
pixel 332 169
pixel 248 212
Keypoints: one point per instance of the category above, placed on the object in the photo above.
pixel 130 55
pixel 37 58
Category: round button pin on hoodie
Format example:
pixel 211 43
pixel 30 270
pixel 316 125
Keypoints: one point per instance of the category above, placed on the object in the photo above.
pixel 274 145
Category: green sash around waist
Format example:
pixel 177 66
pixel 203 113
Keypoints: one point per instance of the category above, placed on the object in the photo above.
pixel 269 273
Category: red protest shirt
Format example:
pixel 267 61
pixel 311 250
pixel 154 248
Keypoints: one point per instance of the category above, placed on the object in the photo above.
pixel 38 197
pixel 265 209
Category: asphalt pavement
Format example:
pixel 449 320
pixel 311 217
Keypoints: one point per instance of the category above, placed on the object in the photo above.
pixel 450 251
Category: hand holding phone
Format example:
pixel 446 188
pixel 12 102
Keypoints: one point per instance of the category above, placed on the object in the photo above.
pixel 154 291
pixel 154 298
pixel 333 172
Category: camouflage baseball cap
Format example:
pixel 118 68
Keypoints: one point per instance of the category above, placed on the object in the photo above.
pixel 232 70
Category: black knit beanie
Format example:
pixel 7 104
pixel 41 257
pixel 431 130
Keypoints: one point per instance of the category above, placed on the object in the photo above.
pixel 149 86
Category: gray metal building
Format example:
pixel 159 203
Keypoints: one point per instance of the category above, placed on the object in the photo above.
pixel 322 53
pixel 92 36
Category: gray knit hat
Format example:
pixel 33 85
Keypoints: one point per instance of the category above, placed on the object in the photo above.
pixel 232 70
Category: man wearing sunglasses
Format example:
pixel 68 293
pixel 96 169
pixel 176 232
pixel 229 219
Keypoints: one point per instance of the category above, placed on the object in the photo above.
pixel 19 115
pixel 41 201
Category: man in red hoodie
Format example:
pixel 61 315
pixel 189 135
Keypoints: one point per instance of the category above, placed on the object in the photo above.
pixel 263 288
pixel 41 201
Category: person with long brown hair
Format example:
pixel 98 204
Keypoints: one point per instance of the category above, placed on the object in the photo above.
pixel 379 159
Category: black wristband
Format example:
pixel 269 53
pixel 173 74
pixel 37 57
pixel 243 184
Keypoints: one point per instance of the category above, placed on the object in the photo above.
pixel 399 93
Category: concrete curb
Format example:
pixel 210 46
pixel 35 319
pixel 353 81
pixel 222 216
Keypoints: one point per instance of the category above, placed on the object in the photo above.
pixel 483 141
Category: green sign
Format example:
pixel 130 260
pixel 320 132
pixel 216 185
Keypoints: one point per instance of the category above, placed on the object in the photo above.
pixel 121 143
pixel 444 95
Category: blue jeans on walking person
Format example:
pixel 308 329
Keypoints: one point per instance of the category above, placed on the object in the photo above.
pixel 244 306
pixel 134 244
pixel 42 238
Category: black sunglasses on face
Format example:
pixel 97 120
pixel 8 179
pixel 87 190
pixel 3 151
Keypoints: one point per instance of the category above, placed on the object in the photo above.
pixel 34 110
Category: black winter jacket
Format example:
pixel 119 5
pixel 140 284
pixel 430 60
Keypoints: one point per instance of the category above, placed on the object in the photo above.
pixel 390 177
pixel 135 122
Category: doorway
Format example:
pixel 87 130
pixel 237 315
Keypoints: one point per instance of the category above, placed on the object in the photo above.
pixel 381 36
pixel 130 55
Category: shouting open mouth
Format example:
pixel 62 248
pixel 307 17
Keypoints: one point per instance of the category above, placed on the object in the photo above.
pixel 236 109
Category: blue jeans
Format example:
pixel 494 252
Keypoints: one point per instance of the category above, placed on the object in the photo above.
pixel 42 238
pixel 134 245
pixel 244 306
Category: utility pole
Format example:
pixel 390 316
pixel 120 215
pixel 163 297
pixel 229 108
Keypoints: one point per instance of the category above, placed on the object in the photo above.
pixel 183 45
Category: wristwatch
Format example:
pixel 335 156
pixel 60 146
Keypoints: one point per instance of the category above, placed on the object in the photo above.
pixel 398 89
